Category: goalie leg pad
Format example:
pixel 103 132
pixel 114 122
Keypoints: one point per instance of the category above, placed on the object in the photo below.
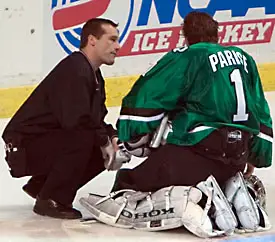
pixel 223 215
pixel 167 208
pixel 141 210
pixel 107 209
pixel 251 215
pixel 162 210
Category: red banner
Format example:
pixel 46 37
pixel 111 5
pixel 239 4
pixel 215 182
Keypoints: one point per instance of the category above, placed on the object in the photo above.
pixel 165 39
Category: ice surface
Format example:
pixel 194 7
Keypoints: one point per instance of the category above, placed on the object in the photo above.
pixel 19 223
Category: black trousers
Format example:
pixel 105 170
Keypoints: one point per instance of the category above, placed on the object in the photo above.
pixel 63 162
pixel 173 165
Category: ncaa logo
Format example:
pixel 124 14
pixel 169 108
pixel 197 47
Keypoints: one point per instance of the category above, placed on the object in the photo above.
pixel 69 17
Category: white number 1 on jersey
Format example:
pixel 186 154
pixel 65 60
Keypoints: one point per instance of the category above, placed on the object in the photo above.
pixel 236 78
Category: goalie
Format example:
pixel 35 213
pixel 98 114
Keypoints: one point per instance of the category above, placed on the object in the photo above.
pixel 210 133
pixel 219 123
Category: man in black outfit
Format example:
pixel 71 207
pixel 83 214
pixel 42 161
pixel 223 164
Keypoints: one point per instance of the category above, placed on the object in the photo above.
pixel 58 136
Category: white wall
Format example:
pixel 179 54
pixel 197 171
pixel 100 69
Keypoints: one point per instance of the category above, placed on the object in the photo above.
pixel 29 48
pixel 20 42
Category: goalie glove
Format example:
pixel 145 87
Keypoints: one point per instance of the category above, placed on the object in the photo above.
pixel 142 145
pixel 138 147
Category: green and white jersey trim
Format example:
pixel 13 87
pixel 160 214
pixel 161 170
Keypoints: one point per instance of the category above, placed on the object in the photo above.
pixel 141 118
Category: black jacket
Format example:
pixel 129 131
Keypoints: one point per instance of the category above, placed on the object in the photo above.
pixel 70 97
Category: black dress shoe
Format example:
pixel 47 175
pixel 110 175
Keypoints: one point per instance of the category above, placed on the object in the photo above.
pixel 54 209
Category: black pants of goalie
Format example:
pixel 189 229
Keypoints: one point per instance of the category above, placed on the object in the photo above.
pixel 182 165
pixel 62 162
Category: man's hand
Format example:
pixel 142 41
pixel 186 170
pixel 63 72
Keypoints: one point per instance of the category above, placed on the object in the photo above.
pixel 249 170
pixel 114 143
pixel 119 159
pixel 108 154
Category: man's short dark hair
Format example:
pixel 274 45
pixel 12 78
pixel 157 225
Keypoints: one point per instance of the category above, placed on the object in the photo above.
pixel 200 27
pixel 94 27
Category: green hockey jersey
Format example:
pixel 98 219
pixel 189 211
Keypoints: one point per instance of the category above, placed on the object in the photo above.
pixel 204 86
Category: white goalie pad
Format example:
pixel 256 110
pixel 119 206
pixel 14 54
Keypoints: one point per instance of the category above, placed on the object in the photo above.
pixel 167 208
pixel 223 215
pixel 251 216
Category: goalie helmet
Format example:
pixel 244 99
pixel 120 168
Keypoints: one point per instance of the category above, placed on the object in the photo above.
pixel 256 187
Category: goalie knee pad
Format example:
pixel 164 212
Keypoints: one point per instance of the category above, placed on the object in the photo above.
pixel 251 215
